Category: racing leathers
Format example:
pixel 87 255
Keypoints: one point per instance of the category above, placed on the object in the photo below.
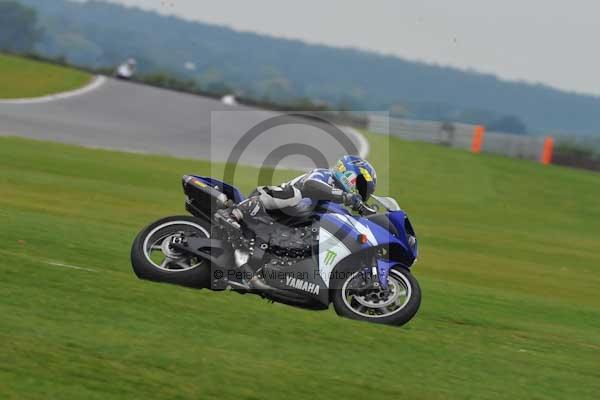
pixel 304 193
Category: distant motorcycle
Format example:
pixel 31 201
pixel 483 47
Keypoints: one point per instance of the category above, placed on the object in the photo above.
pixel 126 71
pixel 358 263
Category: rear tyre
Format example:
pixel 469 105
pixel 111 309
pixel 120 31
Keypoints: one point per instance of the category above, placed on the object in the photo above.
pixel 396 306
pixel 153 259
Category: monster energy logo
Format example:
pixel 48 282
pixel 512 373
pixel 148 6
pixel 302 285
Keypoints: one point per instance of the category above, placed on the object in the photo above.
pixel 330 257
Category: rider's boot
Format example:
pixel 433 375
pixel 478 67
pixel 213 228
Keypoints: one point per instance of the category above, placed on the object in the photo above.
pixel 249 216
pixel 228 220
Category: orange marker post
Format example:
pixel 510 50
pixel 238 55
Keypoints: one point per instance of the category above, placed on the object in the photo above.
pixel 547 150
pixel 478 137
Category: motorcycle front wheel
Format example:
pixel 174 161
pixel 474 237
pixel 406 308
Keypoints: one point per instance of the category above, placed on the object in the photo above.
pixel 395 306
pixel 152 257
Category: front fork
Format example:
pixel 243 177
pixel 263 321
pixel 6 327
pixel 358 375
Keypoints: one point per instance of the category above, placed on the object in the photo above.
pixel 379 272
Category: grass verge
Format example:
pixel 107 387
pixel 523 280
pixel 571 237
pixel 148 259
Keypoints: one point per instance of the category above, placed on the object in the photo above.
pixel 509 271
pixel 24 78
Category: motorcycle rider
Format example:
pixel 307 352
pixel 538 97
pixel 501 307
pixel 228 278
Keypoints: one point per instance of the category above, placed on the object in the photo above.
pixel 350 182
pixel 127 70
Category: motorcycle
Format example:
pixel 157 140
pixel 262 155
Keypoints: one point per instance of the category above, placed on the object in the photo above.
pixel 360 263
pixel 126 70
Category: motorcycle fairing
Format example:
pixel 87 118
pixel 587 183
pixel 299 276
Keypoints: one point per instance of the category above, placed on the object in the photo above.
pixel 230 191
pixel 342 232
pixel 403 229
pixel 331 251
pixel 303 279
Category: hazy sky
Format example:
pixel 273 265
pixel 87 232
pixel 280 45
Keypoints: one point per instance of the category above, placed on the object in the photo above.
pixel 549 41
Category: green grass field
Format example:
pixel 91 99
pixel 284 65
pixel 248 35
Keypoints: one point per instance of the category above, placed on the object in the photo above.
pixel 509 267
pixel 23 78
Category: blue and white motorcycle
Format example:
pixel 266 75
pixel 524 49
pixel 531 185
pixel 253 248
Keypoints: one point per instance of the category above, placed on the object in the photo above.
pixel 359 263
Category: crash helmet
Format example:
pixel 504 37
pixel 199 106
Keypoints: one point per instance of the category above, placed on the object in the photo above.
pixel 355 175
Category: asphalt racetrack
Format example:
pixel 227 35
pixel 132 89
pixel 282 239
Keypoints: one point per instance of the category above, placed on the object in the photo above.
pixel 132 117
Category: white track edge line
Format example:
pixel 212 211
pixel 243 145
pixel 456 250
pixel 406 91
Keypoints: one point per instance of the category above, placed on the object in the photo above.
pixel 363 144
pixel 96 83
pixel 57 264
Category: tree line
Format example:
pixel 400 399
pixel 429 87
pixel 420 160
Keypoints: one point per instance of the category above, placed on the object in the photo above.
pixel 98 34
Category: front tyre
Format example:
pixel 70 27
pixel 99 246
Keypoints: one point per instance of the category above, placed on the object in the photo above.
pixel 152 258
pixel 395 306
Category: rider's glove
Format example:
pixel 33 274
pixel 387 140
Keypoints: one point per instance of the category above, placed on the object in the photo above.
pixel 353 200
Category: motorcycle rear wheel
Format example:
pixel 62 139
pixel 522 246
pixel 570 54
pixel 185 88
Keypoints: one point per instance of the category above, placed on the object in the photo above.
pixel 152 259
pixel 395 307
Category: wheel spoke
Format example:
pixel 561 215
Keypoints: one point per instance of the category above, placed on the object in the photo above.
pixel 378 302
pixel 399 302
pixel 381 311
pixel 165 257
pixel 181 263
